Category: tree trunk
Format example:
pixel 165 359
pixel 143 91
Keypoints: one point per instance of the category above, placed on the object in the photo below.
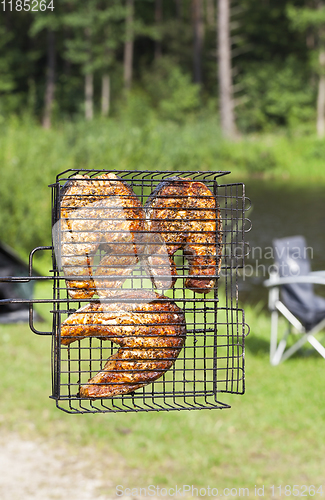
pixel 89 79
pixel 310 39
pixel 224 71
pixel 128 46
pixel 179 10
pixel 197 6
pixel 210 13
pixel 50 79
pixel 321 97
pixel 106 90
pixel 158 20
pixel 321 82
pixel 89 96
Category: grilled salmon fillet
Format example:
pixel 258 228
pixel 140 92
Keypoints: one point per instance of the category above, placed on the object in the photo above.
pixel 101 212
pixel 150 330
pixel 186 215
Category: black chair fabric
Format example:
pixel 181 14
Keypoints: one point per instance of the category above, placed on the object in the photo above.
pixel 290 255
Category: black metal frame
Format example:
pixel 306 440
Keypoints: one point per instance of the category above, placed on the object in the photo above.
pixel 212 360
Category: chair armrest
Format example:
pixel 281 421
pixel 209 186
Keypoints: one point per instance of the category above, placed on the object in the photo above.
pixel 316 278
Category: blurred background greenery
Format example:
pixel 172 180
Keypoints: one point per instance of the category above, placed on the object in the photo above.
pixel 133 84
pixel 71 56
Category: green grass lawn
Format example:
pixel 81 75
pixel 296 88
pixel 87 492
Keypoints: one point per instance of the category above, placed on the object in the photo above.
pixel 272 435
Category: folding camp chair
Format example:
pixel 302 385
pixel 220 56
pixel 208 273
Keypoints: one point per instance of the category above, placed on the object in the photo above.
pixel 291 293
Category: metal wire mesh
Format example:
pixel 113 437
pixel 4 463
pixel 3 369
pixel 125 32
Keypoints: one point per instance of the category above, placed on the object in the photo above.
pixel 210 362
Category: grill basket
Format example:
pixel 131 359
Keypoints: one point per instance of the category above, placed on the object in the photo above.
pixel 211 360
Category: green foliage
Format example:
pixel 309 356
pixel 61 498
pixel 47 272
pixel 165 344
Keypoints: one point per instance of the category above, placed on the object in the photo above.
pixel 28 164
pixel 171 91
pixel 31 157
pixel 302 18
pixel 253 158
pixel 136 109
pixel 266 32
pixel 276 95
pixel 6 80
pixel 316 150
pixel 50 19
pixel 312 20
pixel 96 33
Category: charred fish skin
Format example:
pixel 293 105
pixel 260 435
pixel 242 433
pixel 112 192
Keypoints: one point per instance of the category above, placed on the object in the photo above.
pixel 101 211
pixel 151 334
pixel 186 215
pixel 130 315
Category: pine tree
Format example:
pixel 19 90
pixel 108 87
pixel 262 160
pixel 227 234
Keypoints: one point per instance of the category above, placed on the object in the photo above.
pixel 110 36
pixel 311 19
pixel 96 37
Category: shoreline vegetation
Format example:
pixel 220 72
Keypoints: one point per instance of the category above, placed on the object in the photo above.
pixel 152 144
pixel 31 157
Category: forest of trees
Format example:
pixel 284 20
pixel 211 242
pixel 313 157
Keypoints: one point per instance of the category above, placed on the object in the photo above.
pixel 259 63
pixel 154 84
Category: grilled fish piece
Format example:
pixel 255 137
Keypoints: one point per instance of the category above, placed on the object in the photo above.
pixel 128 370
pixel 186 215
pixel 150 330
pixel 157 262
pixel 101 212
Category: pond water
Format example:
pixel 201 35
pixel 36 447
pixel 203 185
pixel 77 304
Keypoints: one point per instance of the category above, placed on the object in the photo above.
pixel 281 209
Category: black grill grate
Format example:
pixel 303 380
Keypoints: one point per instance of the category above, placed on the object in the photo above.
pixel 212 359
pixel 211 362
